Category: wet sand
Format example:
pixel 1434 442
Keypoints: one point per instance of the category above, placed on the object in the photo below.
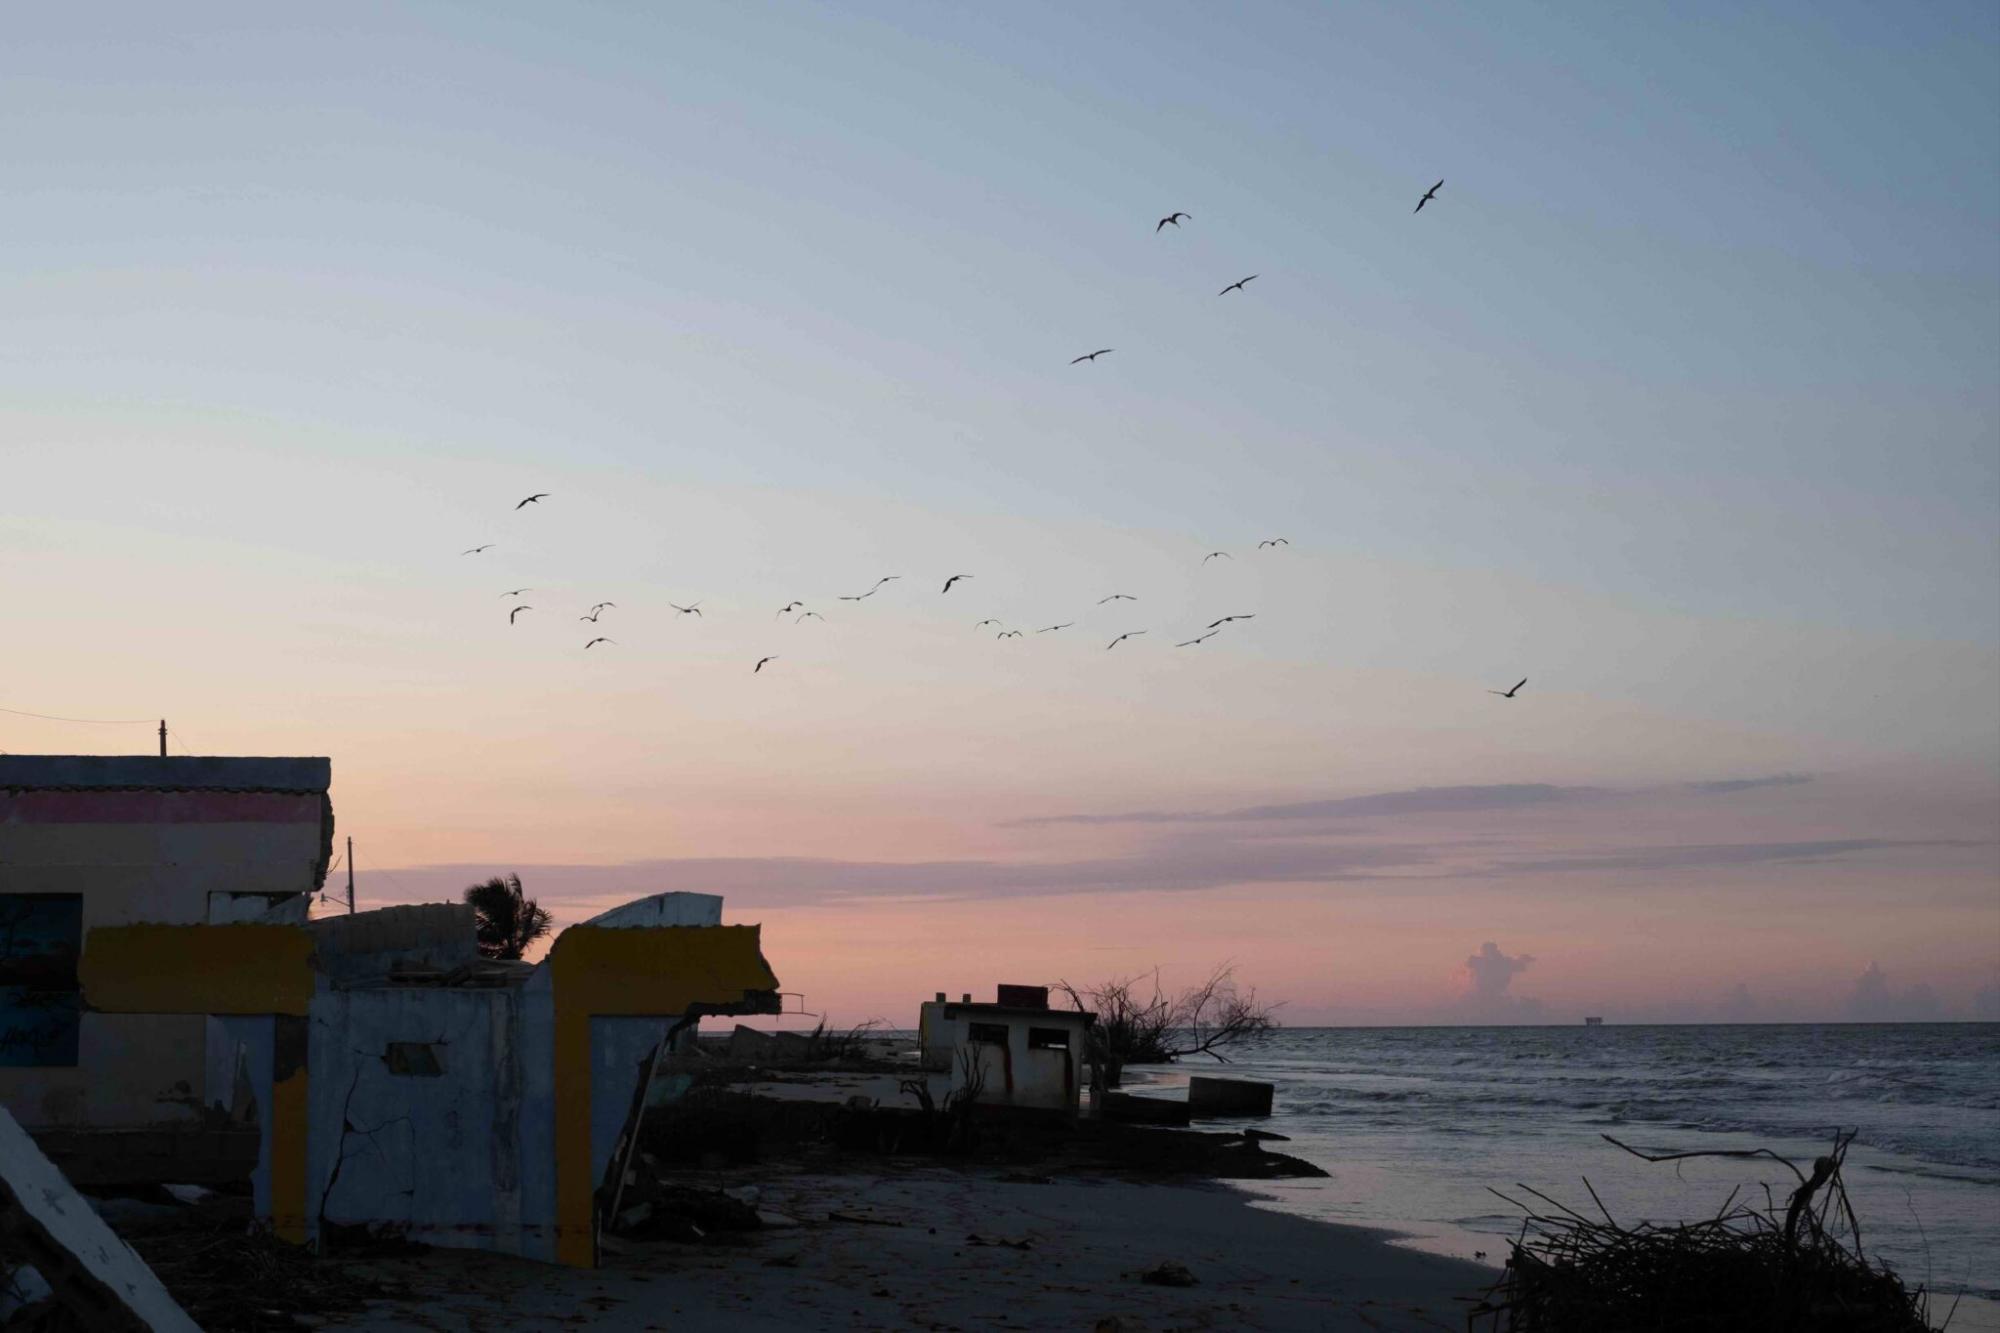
pixel 1087 1242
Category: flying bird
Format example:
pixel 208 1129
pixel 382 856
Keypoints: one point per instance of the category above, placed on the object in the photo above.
pixel 1507 694
pixel 1117 597
pixel 536 498
pixel 1196 639
pixel 600 606
pixel 1275 541
pixel 1128 634
pixel 477 549
pixel 594 642
pixel 1212 554
pixel 1008 634
pixel 1092 356
pixel 953 579
pixel 1226 619
pixel 516 592
pixel 1235 286
pixel 1046 628
pixel 984 623
pixel 517 611
pixel 592 617
pixel 1174 218
pixel 691 609
pixel 788 607
pixel 1429 195
pixel 760 663
pixel 890 578
pixel 808 615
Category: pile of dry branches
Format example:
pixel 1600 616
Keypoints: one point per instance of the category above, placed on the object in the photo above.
pixel 1778 1268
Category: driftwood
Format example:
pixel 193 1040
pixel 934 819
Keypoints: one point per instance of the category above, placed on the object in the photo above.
pixel 1769 1269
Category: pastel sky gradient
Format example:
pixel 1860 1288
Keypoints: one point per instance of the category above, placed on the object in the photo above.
pixel 1682 400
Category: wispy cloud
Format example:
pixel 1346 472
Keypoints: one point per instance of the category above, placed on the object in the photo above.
pixel 1748 784
pixel 1714 854
pixel 1416 801
pixel 1175 866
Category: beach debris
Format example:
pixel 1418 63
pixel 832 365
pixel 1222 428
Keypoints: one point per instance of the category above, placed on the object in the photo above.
pixel 1023 1244
pixel 1797 1265
pixel 864 1221
pixel 1169 1274
pixel 655 1210
pixel 1128 1108
pixel 94 1279
pixel 1212 1097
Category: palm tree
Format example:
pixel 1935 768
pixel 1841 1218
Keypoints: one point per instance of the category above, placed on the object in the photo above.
pixel 508 921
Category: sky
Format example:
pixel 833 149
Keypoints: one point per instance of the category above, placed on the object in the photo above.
pixel 1681 399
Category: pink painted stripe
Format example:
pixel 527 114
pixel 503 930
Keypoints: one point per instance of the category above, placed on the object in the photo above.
pixel 159 807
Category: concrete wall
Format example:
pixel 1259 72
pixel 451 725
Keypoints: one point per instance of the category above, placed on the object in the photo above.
pixel 142 839
pixel 1018 1074
pixel 430 1156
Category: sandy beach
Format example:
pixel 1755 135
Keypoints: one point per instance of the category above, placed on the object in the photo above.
pixel 948 1250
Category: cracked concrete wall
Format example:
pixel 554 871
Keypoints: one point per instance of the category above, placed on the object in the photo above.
pixel 430 1154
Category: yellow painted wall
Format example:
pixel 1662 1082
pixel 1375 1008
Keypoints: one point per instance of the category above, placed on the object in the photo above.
pixel 246 969
pixel 596 971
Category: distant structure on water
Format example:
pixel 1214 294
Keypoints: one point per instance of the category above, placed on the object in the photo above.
pixel 1593 1021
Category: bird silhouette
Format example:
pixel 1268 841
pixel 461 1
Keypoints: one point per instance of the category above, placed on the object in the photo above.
pixel 592 617
pixel 477 549
pixel 1174 218
pixel 1196 639
pixel 1212 554
pixel 788 607
pixel 984 623
pixel 1046 628
pixel 1128 634
pixel 953 579
pixel 516 592
pixel 1275 541
pixel 1226 619
pixel 536 498
pixel 599 606
pixel 890 578
pixel 1092 356
pixel 808 615
pixel 517 611
pixel 1008 634
pixel 1508 694
pixel 691 609
pixel 1117 597
pixel 1235 286
pixel 760 663
pixel 594 642
pixel 1429 195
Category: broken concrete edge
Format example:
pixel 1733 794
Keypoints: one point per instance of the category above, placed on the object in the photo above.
pixel 92 1272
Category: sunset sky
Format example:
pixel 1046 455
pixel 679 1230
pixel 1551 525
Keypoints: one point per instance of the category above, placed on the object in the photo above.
pixel 1682 400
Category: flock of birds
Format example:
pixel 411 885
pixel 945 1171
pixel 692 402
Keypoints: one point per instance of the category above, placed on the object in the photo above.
pixel 800 612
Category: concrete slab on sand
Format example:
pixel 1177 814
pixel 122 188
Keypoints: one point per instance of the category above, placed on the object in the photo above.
pixel 1086 1245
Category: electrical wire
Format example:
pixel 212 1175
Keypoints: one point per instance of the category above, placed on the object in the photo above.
pixel 91 721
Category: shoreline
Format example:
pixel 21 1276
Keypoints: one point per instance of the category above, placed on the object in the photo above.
pixel 935 1248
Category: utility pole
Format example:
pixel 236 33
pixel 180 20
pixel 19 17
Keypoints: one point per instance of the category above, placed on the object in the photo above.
pixel 163 738
pixel 350 875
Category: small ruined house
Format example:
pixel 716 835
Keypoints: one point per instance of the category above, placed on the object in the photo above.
pixel 1021 1053
pixel 167 1013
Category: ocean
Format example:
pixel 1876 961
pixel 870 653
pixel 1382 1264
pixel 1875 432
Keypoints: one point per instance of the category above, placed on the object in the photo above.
pixel 1414 1125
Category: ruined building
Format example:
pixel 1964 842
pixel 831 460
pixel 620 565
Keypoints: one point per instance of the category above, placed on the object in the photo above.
pixel 167 1012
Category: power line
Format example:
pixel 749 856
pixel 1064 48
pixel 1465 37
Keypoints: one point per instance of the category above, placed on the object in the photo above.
pixel 93 721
